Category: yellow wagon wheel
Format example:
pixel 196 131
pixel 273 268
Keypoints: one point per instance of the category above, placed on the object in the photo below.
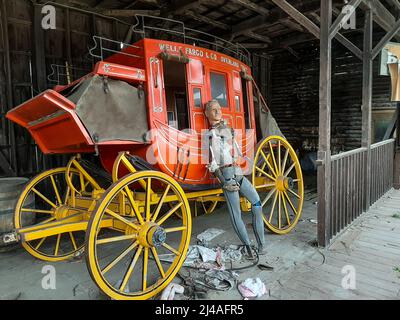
pixel 53 201
pixel 209 206
pixel 85 183
pixel 278 179
pixel 147 247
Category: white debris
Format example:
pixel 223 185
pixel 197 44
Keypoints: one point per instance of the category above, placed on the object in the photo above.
pixel 170 291
pixel 252 288
pixel 209 234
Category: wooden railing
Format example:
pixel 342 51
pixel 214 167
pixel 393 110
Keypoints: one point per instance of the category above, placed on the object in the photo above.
pixel 348 188
pixel 348 192
pixel 382 156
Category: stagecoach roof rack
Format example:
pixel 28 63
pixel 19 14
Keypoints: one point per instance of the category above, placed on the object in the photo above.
pixel 177 29
pixel 64 74
pixel 103 47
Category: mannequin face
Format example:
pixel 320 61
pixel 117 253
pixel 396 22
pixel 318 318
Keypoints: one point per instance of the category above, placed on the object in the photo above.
pixel 214 113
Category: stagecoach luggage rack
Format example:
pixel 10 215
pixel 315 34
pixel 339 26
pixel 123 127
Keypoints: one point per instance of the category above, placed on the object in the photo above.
pixel 172 30
pixel 62 75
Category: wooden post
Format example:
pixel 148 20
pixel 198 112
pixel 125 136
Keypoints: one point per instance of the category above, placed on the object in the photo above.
pixel 10 99
pixel 367 103
pixel 324 151
pixel 39 65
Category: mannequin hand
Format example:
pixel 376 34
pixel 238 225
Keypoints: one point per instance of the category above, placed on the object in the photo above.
pixel 231 185
pixel 212 167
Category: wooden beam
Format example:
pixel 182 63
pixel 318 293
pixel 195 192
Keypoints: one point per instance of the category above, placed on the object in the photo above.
pixel 179 6
pixel 298 16
pixel 394 3
pixel 349 45
pixel 255 45
pixel 386 39
pixel 324 150
pixel 343 17
pixel 129 13
pixel 252 6
pixel 381 15
pixel 5 165
pixel 276 16
pixel 9 86
pixel 207 20
pixel 248 25
pixel 39 64
pixel 345 42
pixel 366 109
pixel 133 3
pixel 258 37
pixel 292 25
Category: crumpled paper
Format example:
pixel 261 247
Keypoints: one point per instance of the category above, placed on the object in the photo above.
pixel 170 290
pixel 252 288
pixel 206 236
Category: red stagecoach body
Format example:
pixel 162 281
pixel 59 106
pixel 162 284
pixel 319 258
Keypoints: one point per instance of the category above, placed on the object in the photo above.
pixel 177 79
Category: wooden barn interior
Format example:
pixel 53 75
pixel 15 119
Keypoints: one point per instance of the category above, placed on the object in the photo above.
pixel 320 75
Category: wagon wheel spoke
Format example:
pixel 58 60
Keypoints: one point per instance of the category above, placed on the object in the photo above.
pixel 134 205
pixel 56 190
pixel 290 203
pixel 177 229
pixel 160 203
pixel 279 157
pixel 158 262
pixel 273 157
pixel 285 160
pixel 130 269
pixel 273 207
pixel 119 258
pixel 268 196
pixel 169 213
pixel 145 266
pixel 148 200
pixel 279 210
pixel 286 211
pixel 44 198
pixel 73 240
pixel 169 248
pixel 28 210
pixel 267 163
pixel 265 174
pixel 294 193
pixel 116 239
pixel 40 243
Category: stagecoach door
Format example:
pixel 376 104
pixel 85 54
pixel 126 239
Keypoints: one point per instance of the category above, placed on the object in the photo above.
pixel 176 96
pixel 195 75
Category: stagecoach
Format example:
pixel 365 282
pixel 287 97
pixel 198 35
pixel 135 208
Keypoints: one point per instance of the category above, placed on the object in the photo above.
pixel 140 112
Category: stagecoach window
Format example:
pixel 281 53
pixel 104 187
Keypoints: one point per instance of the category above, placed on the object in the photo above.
pixel 197 97
pixel 237 103
pixel 218 88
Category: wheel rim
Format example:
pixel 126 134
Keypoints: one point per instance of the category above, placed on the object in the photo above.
pixel 53 201
pixel 278 179
pixel 135 269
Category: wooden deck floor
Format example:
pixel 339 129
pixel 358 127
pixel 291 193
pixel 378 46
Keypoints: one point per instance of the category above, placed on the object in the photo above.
pixel 371 246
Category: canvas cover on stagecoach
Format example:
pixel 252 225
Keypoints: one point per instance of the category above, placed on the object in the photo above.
pixel 110 109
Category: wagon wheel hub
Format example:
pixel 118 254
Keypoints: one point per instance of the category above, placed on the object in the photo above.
pixel 62 212
pixel 151 235
pixel 282 183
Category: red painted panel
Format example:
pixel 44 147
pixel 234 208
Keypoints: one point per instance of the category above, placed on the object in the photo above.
pixel 195 74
